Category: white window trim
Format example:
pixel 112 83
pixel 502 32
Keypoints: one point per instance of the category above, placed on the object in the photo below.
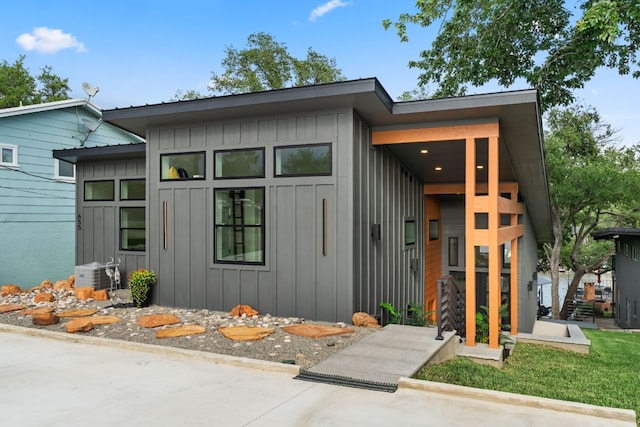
pixel 14 163
pixel 56 173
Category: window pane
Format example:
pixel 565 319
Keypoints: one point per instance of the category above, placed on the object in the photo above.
pixel 182 166
pixel 434 229
pixel 98 190
pixel 239 220
pixel 132 218
pixel 303 160
pixel 132 240
pixel 7 155
pixel 239 163
pixel 66 169
pixel 132 189
pixel 409 232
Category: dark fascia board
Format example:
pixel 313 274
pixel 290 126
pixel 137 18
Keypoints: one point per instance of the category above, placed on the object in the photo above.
pixel 365 95
pixel 615 232
pixel 109 152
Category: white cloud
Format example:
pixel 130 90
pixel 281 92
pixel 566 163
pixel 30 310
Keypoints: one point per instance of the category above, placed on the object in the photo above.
pixel 326 8
pixel 47 40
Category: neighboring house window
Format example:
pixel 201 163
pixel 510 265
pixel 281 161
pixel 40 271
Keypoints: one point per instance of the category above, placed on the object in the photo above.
pixel 132 229
pixel 303 160
pixel 132 189
pixel 239 225
pixel 239 163
pixel 8 155
pixel 182 166
pixel 64 171
pixel 98 191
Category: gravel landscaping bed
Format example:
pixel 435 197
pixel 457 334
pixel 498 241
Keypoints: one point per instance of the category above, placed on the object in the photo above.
pixel 280 346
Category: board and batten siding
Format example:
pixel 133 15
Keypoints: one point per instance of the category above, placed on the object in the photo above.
pixel 97 227
pixel 298 278
pixel 385 193
pixel 37 213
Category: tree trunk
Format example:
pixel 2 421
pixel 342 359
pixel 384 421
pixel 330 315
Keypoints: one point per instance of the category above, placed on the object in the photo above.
pixel 554 261
pixel 571 291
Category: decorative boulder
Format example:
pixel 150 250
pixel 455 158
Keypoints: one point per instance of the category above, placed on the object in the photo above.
pixel 44 297
pixel 37 310
pixel 46 284
pixel 155 320
pixel 79 324
pixel 62 284
pixel 364 319
pixel 45 319
pixel 83 293
pixel 101 295
pixel 240 310
pixel 10 290
pixel 80 312
pixel 6 308
pixel 72 280
pixel 180 331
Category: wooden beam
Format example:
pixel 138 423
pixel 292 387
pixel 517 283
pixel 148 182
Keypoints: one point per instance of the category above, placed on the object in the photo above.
pixel 435 134
pixel 495 256
pixel 459 188
pixel 510 232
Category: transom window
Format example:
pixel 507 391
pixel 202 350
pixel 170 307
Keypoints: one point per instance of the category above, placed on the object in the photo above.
pixel 8 155
pixel 132 189
pixel 239 163
pixel 132 229
pixel 64 171
pixel 182 166
pixel 98 190
pixel 303 160
pixel 239 225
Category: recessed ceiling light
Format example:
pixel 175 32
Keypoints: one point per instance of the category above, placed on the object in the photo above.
pixel 424 151
pixel 480 167
pixel 438 168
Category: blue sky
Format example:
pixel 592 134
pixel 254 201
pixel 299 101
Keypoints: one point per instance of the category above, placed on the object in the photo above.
pixel 142 51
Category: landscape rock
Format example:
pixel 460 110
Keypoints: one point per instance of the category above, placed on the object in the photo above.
pixel 247 310
pixel 155 320
pixel 46 284
pixel 37 310
pixel 79 312
pixel 101 295
pixel 180 331
pixel 245 333
pixel 63 284
pixel 45 319
pixel 83 294
pixel 6 308
pixel 104 319
pixel 364 319
pixel 10 290
pixel 315 331
pixel 79 324
pixel 72 280
pixel 44 297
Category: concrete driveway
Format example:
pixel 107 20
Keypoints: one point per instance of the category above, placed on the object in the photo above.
pixel 54 379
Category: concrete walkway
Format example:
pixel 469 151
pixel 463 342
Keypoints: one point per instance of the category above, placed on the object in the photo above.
pixel 55 379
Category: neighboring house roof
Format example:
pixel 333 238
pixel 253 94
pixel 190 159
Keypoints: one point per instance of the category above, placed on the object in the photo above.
pixel 518 113
pixel 615 233
pixel 48 106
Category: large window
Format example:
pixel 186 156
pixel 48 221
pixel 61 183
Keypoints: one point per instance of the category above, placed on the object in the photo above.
pixel 239 225
pixel 8 155
pixel 98 190
pixel 132 189
pixel 182 166
pixel 303 160
pixel 132 229
pixel 239 163
pixel 64 171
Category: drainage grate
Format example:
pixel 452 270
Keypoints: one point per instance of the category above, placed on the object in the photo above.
pixel 346 381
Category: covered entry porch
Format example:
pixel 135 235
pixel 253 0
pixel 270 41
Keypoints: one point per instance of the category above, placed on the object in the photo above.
pixel 491 165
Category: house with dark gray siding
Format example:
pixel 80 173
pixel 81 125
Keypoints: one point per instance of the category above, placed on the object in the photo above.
pixel 38 192
pixel 325 200
pixel 626 271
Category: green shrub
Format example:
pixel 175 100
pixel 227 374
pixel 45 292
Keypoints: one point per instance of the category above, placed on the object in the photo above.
pixel 140 282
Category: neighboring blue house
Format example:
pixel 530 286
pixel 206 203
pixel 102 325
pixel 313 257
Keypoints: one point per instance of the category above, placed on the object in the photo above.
pixel 37 192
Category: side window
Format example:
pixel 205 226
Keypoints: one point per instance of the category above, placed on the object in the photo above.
pixel 132 229
pixel 182 166
pixel 64 171
pixel 239 163
pixel 132 189
pixel 8 155
pixel 98 191
pixel 409 232
pixel 303 160
pixel 239 225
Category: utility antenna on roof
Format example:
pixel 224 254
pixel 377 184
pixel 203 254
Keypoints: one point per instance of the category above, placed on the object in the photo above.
pixel 89 89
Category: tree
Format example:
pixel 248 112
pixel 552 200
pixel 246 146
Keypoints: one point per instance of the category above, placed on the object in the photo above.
pixel 592 184
pixel 535 40
pixel 267 64
pixel 19 87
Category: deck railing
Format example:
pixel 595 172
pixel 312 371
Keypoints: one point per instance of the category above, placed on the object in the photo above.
pixel 450 309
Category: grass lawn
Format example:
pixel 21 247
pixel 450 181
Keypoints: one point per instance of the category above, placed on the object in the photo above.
pixel 608 376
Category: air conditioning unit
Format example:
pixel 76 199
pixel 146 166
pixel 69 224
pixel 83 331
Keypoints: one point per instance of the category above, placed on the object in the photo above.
pixel 92 275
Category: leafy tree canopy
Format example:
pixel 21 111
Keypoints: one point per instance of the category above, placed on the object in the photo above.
pixel 540 41
pixel 267 64
pixel 19 87
pixel 593 183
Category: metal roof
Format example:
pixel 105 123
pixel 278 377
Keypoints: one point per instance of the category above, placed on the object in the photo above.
pixel 518 113
pixel 615 233
pixel 48 106
pixel 108 152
